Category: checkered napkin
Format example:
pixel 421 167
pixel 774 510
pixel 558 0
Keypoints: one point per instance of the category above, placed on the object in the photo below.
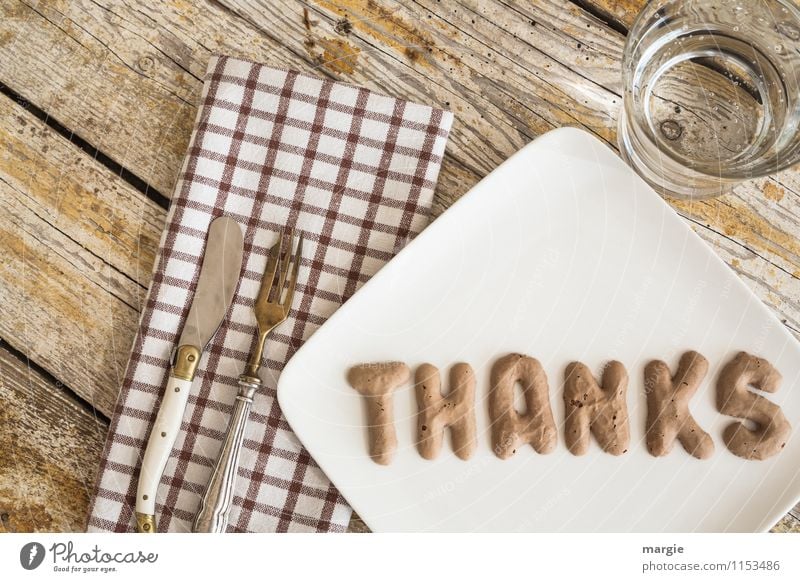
pixel 355 172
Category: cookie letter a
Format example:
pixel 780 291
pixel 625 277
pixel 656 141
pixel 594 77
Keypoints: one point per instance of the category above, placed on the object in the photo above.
pixel 510 428
pixel 734 399
pixel 602 411
pixel 668 415
pixel 437 412
pixel 376 382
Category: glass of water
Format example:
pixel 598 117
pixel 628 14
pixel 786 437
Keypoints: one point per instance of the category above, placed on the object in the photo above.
pixel 711 93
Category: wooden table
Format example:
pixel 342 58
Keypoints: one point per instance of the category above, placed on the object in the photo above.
pixel 98 100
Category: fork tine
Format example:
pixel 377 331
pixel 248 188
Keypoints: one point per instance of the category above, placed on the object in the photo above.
pixel 298 255
pixel 269 271
pixel 284 266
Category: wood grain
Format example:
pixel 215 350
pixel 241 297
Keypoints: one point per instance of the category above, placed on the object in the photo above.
pixel 125 76
pixel 78 249
pixel 790 523
pixel 619 13
pixel 50 458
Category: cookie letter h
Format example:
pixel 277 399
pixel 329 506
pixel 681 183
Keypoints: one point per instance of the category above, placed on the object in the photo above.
pixel 437 412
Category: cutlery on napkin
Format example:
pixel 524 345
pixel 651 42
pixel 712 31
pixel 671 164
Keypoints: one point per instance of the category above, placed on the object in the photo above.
pixel 355 172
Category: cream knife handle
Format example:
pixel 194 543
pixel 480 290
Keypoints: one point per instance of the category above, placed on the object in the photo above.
pixel 216 502
pixel 159 447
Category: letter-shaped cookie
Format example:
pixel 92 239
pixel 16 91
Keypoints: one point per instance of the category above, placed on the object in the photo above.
pixel 510 428
pixel 734 399
pixel 602 411
pixel 376 382
pixel 668 415
pixel 437 412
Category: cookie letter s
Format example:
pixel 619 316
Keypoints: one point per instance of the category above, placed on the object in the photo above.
pixel 734 399
pixel 602 411
pixel 376 382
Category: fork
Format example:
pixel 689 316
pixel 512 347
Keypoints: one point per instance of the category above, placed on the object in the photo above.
pixel 271 308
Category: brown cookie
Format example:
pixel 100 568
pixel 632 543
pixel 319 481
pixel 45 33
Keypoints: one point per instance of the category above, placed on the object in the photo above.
pixel 511 429
pixel 734 399
pixel 668 415
pixel 603 411
pixel 376 382
pixel 436 412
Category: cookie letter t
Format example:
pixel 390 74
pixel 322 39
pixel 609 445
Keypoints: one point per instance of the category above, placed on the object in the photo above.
pixel 376 382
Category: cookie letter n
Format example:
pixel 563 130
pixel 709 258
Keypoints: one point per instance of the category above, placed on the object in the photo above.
pixel 602 411
pixel 734 399
pixel 668 415
pixel 510 428
pixel 376 382
pixel 437 412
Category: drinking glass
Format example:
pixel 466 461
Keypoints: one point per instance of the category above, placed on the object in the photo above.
pixel 711 93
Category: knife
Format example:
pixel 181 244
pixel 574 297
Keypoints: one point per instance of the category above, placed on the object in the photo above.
pixel 219 274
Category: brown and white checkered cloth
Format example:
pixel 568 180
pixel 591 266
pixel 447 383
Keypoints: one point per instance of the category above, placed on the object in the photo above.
pixel 355 172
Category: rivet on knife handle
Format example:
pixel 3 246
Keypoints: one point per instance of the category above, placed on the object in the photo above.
pixel 186 359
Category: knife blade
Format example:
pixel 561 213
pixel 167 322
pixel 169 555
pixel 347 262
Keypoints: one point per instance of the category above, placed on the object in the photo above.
pixel 219 273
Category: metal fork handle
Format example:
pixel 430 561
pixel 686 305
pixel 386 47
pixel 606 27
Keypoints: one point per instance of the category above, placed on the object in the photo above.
pixel 216 503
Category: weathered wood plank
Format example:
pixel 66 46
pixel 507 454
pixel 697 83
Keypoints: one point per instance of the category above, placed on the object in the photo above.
pixel 78 248
pixel 357 525
pixel 788 523
pixel 79 197
pixel 619 13
pixel 51 455
pixel 110 94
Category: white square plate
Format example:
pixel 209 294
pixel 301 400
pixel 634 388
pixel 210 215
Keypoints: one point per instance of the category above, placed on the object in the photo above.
pixel 564 254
